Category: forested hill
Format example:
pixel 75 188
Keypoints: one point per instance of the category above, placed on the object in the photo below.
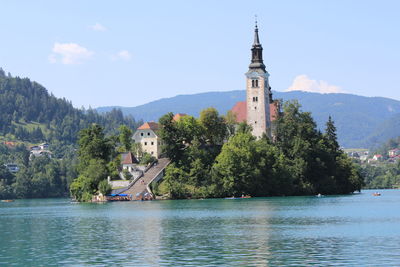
pixel 360 121
pixel 29 113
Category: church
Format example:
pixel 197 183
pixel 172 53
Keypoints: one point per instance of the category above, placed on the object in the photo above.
pixel 259 110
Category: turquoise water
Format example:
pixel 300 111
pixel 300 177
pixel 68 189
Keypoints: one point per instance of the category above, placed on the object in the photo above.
pixel 355 230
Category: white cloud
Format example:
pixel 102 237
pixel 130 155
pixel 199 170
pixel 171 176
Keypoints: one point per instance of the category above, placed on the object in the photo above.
pixel 304 83
pixel 69 53
pixel 98 27
pixel 123 55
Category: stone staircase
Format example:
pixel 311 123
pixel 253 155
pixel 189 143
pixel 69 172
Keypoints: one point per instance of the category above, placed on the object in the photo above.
pixel 141 185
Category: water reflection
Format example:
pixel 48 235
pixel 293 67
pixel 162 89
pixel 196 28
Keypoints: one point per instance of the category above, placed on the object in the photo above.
pixel 357 230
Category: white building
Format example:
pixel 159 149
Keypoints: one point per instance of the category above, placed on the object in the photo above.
pixel 44 146
pixel 12 167
pixel 394 152
pixel 146 136
pixel 129 161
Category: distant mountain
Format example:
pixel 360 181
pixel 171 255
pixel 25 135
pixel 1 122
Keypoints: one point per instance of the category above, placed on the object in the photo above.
pixel 361 121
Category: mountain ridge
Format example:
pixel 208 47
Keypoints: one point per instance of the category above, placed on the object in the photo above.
pixel 359 119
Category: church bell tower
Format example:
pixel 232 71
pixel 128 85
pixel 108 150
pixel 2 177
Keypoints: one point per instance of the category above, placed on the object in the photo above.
pixel 258 91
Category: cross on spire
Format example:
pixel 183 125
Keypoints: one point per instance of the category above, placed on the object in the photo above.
pixel 256 51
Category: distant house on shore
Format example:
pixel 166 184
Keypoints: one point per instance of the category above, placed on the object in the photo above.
pixel 40 150
pixel 394 152
pixel 35 148
pixel 376 158
pixel 10 143
pixel 44 146
pixel 40 153
pixel 128 161
pixel 12 167
pixel 146 135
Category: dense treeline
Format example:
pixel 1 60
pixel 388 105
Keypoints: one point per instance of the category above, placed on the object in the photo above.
pixel 99 158
pixel 38 177
pixel 300 161
pixel 29 113
pixel 385 174
pixel 81 172
pixel 382 175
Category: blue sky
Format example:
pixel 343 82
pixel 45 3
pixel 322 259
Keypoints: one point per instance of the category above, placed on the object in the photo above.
pixel 126 53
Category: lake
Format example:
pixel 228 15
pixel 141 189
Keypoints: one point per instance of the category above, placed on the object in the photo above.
pixel 353 230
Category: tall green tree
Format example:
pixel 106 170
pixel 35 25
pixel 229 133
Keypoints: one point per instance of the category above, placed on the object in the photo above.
pixel 330 134
pixel 93 145
pixel 125 137
pixel 235 167
pixel 95 153
pixel 215 128
pixel 172 140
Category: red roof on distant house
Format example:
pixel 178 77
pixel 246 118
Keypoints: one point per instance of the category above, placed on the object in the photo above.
pixel 130 159
pixel 149 125
pixel 240 110
pixel 9 143
pixel 178 116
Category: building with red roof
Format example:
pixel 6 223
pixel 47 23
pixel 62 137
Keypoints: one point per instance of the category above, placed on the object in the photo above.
pixel 394 152
pixel 128 161
pixel 146 135
pixel 178 116
pixel 10 143
pixel 149 126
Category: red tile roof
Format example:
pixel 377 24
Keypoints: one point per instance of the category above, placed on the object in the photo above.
pixel 149 125
pixel 274 110
pixel 9 143
pixel 240 110
pixel 178 116
pixel 130 159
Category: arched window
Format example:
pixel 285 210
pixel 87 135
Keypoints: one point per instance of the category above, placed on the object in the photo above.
pixel 252 83
pixel 256 83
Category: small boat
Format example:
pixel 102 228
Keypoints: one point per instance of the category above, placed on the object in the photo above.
pixel 7 200
pixel 376 194
pixel 247 196
pixel 232 198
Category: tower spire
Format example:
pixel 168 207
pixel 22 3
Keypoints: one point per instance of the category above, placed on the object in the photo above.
pixel 257 63
pixel 256 38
